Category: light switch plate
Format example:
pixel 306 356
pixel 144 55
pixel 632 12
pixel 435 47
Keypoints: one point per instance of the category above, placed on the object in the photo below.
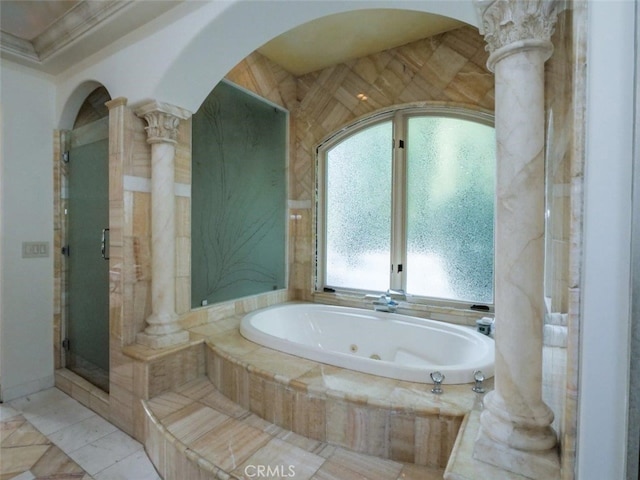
pixel 35 249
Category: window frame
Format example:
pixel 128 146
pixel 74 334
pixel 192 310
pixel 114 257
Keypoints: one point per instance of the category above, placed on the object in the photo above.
pixel 399 117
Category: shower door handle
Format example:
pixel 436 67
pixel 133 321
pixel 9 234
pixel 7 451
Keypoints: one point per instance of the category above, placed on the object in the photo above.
pixel 103 243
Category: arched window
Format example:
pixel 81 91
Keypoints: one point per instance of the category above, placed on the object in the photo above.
pixel 406 202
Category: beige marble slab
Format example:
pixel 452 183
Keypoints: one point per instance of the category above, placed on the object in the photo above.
pixel 167 403
pixel 346 465
pixel 56 464
pixel 22 433
pixel 232 343
pixel 193 421
pixel 283 458
pixel 230 444
pixel 20 459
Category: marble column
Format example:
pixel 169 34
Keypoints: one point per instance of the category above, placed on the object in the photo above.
pixel 162 328
pixel 515 432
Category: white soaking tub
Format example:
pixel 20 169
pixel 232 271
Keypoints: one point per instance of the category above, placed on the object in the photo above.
pixel 385 344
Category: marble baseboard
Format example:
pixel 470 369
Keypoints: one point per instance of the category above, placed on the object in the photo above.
pixel 84 392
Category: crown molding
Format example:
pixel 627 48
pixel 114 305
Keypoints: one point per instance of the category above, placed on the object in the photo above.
pixel 81 19
pixel 86 28
pixel 74 24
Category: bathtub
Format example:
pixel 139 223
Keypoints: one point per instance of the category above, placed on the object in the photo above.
pixel 385 344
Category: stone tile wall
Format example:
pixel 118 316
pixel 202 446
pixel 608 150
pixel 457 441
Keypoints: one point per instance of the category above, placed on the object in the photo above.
pixel 446 69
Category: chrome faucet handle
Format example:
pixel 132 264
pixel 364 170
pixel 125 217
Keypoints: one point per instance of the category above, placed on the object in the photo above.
pixel 478 376
pixel 437 378
pixel 399 294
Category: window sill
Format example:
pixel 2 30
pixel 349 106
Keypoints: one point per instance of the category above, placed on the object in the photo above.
pixel 437 310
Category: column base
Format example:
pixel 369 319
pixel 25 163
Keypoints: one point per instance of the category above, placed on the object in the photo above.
pixel 162 341
pixel 543 465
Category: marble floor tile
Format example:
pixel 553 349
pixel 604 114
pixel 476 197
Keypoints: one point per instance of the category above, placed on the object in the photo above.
pixel 25 476
pixel 40 402
pixel 16 460
pixel 82 433
pixel 7 412
pixel 136 466
pixel 23 434
pixel 63 415
pixel 55 463
pixel 105 451
pixel 28 453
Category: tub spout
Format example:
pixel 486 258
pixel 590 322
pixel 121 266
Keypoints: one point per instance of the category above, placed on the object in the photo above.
pixel 385 304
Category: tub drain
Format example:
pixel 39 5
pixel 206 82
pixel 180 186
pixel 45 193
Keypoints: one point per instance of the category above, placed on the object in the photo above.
pixel 353 348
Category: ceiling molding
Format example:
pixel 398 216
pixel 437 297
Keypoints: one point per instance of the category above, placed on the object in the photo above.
pixel 75 23
pixel 17 46
pixel 78 21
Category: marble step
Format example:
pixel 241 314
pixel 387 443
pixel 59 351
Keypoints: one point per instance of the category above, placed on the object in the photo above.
pixel 196 432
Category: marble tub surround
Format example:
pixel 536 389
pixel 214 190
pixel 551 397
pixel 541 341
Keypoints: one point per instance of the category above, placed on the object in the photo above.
pixel 162 329
pixel 196 432
pixel 515 432
pixel 393 419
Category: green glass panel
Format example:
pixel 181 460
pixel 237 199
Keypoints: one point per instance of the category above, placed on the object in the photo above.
pixel 358 210
pixel 88 271
pixel 238 197
pixel 451 182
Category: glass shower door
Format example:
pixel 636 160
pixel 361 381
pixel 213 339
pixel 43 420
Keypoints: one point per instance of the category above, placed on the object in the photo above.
pixel 87 346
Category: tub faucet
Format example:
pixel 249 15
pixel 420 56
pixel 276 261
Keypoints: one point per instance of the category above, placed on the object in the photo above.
pixel 397 294
pixel 438 378
pixel 478 376
pixel 385 304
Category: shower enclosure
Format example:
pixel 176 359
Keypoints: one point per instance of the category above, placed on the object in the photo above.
pixel 86 253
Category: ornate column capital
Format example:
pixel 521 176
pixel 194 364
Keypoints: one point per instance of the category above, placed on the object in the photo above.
pixel 509 26
pixel 162 120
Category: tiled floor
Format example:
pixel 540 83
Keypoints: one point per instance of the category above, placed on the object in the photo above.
pixel 50 435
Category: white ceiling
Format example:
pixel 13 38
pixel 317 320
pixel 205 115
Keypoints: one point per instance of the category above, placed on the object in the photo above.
pixel 345 36
pixel 46 34
pixel 26 19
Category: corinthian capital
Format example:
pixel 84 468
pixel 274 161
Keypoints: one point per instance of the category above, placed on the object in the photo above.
pixel 162 121
pixel 513 23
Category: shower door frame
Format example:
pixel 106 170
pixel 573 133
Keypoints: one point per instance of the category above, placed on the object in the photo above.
pixel 62 145
pixel 633 428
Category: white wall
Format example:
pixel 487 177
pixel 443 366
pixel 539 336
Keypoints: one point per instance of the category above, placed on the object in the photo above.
pixel 196 47
pixel 26 192
pixel 149 68
pixel 604 359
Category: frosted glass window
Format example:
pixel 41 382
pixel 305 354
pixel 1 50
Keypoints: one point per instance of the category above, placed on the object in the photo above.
pixel 408 203
pixel 238 207
pixel 450 191
pixel 358 210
